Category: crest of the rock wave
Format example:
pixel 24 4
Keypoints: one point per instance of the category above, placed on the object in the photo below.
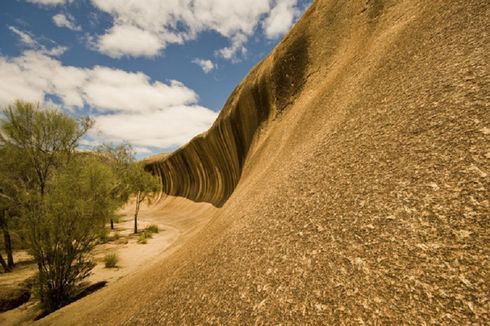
pixel 349 177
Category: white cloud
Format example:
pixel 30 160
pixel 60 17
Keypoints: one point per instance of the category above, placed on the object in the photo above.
pixel 145 28
pixel 206 65
pixel 233 51
pixel 117 90
pixel 280 19
pixel 55 51
pixel 127 105
pixel 128 40
pixel 48 2
pixel 28 40
pixel 24 37
pixel 166 128
pixel 142 150
pixel 62 20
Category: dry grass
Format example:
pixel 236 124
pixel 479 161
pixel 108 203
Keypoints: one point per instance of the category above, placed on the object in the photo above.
pixel 111 260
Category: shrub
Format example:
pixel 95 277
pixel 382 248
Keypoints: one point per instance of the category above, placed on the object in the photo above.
pixel 142 239
pixel 111 260
pixel 63 226
pixel 122 241
pixel 103 238
pixel 153 228
pixel 114 237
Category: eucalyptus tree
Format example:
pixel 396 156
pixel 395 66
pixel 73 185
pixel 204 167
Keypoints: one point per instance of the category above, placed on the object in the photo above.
pixel 144 185
pixel 61 196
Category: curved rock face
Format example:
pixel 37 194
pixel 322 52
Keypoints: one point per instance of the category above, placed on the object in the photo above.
pixel 357 156
pixel 209 167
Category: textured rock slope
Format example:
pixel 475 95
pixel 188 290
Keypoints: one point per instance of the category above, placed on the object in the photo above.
pixel 351 168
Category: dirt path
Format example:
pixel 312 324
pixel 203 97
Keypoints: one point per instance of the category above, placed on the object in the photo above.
pixel 132 255
pixel 174 228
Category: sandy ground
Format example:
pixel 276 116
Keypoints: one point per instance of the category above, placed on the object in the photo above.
pixel 132 255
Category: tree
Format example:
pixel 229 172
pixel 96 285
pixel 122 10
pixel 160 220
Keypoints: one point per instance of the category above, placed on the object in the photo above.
pixel 4 218
pixel 46 137
pixel 4 264
pixel 143 184
pixel 6 200
pixel 63 226
pixel 14 178
pixel 33 142
pixel 120 158
pixel 62 197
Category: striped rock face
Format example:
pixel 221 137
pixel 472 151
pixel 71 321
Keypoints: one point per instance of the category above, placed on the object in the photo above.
pixel 349 180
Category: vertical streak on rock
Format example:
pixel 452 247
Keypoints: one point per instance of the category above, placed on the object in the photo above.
pixel 209 167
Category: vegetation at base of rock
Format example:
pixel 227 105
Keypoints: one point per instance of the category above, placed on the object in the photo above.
pixel 114 237
pixel 111 260
pixel 144 236
pixel 144 185
pixel 152 228
pixel 59 199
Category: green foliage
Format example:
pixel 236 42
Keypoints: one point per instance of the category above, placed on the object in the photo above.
pixel 144 236
pixel 114 237
pixel 62 198
pixel 144 184
pixel 63 226
pixel 153 228
pixel 120 159
pixel 40 139
pixel 142 181
pixel 111 260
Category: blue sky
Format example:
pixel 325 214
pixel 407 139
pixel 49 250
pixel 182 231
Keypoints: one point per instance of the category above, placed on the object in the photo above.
pixel 153 73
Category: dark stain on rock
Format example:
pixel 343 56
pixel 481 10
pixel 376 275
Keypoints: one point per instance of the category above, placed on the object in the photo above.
pixel 289 72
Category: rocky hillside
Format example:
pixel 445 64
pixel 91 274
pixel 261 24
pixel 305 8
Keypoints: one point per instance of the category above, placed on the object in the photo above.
pixel 351 171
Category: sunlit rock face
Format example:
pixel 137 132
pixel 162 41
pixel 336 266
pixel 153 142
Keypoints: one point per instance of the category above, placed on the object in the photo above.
pixel 352 170
pixel 209 167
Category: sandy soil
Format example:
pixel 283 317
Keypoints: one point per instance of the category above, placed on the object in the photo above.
pixel 132 255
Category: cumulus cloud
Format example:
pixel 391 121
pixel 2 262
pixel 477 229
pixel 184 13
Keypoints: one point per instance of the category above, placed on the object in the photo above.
pixel 145 28
pixel 127 106
pixel 206 65
pixel 118 90
pixel 62 20
pixel 280 19
pixel 127 40
pixel 161 129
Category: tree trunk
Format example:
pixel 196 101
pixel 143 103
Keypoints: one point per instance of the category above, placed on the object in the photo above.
pixel 6 239
pixel 136 212
pixel 4 264
pixel 112 224
pixel 8 248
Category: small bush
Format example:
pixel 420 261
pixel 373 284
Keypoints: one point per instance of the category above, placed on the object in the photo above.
pixel 122 241
pixel 142 239
pixel 103 238
pixel 111 260
pixel 148 235
pixel 114 237
pixel 153 228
